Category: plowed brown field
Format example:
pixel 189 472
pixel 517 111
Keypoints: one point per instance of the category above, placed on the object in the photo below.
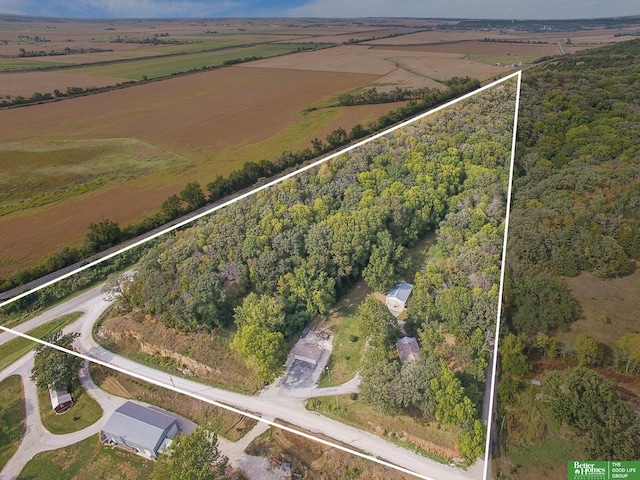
pixel 219 119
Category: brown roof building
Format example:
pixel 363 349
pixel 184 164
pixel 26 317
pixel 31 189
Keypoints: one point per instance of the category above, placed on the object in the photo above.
pixel 408 349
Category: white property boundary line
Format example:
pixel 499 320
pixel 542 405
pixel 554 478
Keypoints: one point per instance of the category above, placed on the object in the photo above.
pixel 247 194
pixel 487 451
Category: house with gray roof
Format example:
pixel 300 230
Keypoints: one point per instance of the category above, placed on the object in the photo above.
pixel 140 429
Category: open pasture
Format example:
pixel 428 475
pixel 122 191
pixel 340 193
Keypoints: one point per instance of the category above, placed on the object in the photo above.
pixel 615 298
pixel 40 173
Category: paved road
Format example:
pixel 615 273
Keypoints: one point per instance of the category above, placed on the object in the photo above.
pixel 38 439
pixel 81 303
pixel 266 405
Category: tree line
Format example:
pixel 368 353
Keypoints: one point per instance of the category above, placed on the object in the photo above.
pixel 428 97
pixel 108 233
pixel 575 209
pixel 263 267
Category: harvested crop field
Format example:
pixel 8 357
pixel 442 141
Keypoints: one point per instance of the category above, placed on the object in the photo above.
pixel 427 65
pixel 196 116
pixel 481 47
pixel 27 83
pixel 346 59
pixel 218 120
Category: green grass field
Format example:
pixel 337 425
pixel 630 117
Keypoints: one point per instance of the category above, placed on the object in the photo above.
pixel 88 459
pixel 34 174
pixel 16 348
pixel 13 64
pixel 490 58
pixel 84 412
pixel 162 67
pixel 12 417
pixel 424 438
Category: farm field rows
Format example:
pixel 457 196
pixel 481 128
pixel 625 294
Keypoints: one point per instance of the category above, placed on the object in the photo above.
pixel 211 122
pixel 220 120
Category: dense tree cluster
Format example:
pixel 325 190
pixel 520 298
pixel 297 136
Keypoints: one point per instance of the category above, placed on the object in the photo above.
pixel 453 308
pixel 575 205
pixel 286 253
pixel 575 209
pixel 606 426
pixel 193 456
pixel 426 97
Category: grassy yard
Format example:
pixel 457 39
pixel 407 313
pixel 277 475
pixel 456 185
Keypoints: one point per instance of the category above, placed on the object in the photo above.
pixel 86 460
pixel 227 424
pixel 84 412
pixel 424 438
pixel 12 417
pixel 16 348
pixel 348 344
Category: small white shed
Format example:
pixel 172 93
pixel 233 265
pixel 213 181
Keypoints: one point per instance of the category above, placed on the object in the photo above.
pixel 61 400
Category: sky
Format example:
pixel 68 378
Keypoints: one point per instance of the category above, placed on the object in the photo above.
pixel 495 9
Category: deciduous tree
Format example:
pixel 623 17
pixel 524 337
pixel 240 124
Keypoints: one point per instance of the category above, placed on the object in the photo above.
pixel 52 367
pixel 193 456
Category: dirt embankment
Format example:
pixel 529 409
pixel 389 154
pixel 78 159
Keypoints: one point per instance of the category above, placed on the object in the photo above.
pixel 203 355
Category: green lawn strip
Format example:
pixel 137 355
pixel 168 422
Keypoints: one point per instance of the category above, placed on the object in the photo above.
pixel 12 417
pixel 88 459
pixel 421 437
pixel 161 67
pixel 16 348
pixel 13 64
pixel 84 412
pixel 552 451
pixel 347 350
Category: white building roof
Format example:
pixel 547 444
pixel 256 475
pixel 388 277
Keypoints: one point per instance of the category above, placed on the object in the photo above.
pixel 401 292
pixel 58 396
pixel 139 425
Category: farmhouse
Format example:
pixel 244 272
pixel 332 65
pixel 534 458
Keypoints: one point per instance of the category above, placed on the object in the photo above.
pixel 408 349
pixel 61 400
pixel 396 299
pixel 306 352
pixel 140 429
